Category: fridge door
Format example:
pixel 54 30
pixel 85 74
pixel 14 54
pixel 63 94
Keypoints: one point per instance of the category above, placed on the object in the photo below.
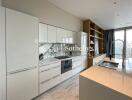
pixel 84 43
pixel 21 41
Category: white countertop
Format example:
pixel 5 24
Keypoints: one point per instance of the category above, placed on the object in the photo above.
pixel 48 61
pixel 54 60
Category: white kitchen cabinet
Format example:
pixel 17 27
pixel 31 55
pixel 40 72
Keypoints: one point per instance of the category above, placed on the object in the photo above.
pixel 22 85
pixel 76 62
pixel 52 34
pixel 84 62
pixel 65 39
pixel 49 71
pixel 22 55
pixel 74 37
pixel 76 70
pixel 76 65
pixel 2 55
pixel 61 35
pixel 69 37
pixel 50 84
pixel 81 40
pixel 49 76
pixel 21 40
pixel 43 33
pixel 65 36
pixel 66 75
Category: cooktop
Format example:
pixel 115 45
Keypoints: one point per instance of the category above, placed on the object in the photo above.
pixel 62 57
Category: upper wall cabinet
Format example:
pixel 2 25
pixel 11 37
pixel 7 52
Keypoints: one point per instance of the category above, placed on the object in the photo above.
pixel 74 36
pixel 71 37
pixel 52 32
pixel 61 35
pixel 65 36
pixel 43 33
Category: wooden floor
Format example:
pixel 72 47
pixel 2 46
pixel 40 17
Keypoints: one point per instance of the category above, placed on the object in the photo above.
pixel 68 90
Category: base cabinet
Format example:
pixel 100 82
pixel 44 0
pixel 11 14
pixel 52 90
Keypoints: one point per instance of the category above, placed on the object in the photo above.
pixel 76 70
pixel 22 85
pixel 84 62
pixel 49 76
pixel 49 84
pixel 66 75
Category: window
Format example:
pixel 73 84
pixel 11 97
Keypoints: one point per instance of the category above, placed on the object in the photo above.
pixel 123 42
pixel 129 43
pixel 119 41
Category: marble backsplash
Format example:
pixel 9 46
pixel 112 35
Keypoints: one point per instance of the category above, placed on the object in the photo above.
pixel 50 50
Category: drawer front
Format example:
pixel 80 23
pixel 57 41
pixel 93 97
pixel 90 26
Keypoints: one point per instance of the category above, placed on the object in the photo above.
pixel 50 66
pixel 77 64
pixel 49 84
pixel 46 75
pixel 66 75
pixel 76 70
pixel 76 59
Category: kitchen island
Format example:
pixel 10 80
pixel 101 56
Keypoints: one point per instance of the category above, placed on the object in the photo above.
pixel 99 83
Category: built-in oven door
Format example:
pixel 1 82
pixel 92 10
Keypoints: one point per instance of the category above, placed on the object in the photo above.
pixel 66 65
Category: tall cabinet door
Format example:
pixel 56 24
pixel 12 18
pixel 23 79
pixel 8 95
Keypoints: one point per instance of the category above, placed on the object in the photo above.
pixel 22 85
pixel 22 55
pixel 21 40
pixel 52 32
pixel 2 55
pixel 43 32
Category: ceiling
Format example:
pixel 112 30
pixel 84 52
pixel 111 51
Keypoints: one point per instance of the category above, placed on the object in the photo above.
pixel 108 14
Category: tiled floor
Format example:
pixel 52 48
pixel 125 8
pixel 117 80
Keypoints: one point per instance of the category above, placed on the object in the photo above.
pixel 68 90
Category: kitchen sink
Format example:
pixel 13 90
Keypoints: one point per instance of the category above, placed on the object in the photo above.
pixel 107 64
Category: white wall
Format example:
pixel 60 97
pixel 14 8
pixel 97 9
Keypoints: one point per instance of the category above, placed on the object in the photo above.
pixel 46 12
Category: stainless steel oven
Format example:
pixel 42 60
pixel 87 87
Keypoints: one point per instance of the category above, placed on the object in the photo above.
pixel 66 65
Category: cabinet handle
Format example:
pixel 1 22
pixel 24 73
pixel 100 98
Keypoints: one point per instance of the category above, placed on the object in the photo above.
pixel 56 67
pixel 50 69
pixel 49 79
pixel 21 70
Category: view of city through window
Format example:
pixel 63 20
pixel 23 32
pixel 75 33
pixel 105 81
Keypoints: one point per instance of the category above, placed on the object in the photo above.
pixel 119 42
pixel 129 43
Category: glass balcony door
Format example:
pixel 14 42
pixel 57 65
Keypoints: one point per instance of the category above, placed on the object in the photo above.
pixel 129 48
pixel 119 42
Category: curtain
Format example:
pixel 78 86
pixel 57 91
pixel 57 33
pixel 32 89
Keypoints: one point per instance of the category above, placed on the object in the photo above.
pixel 109 43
